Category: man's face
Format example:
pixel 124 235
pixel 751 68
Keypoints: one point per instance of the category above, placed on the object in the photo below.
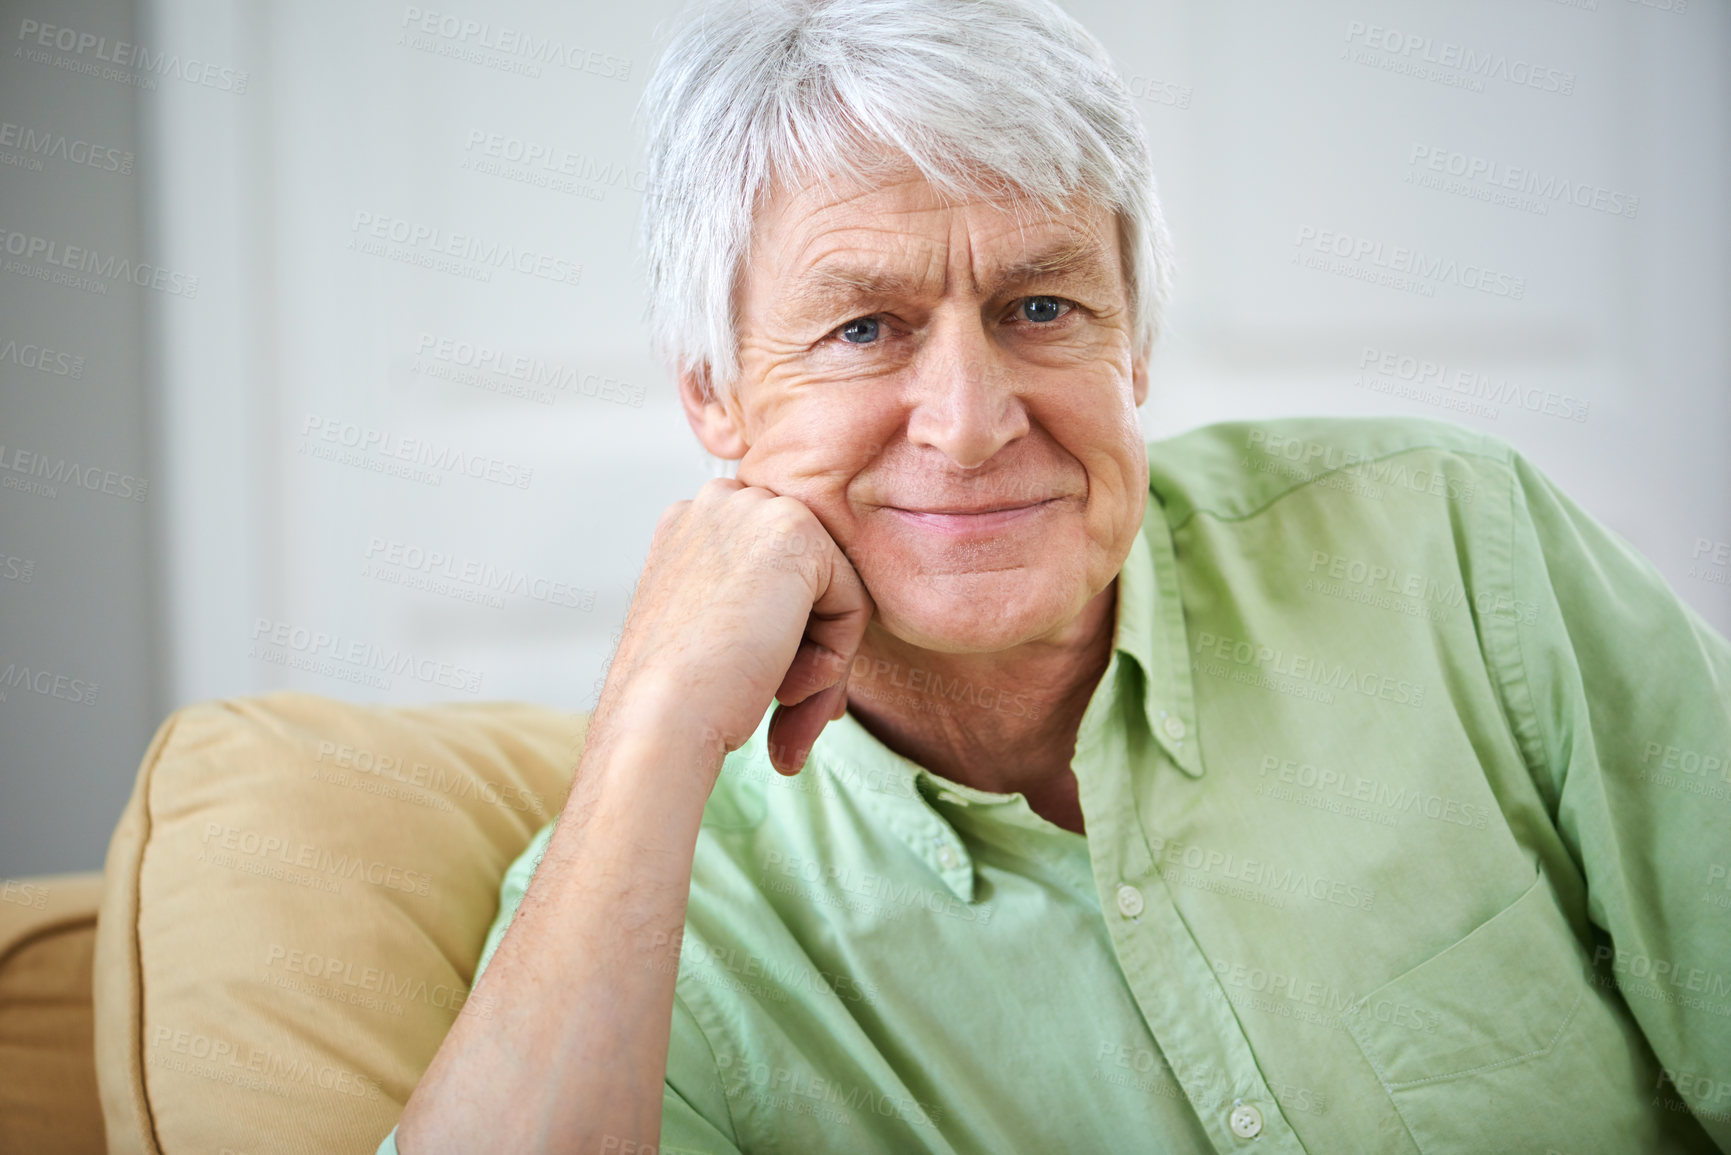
pixel 951 392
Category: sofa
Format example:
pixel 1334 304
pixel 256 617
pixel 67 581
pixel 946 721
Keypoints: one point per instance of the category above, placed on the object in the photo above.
pixel 286 925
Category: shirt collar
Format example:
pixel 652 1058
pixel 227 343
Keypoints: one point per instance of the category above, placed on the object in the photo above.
pixel 891 786
pixel 1151 632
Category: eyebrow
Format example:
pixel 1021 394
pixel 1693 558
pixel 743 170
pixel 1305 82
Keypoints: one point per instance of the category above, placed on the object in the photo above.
pixel 836 284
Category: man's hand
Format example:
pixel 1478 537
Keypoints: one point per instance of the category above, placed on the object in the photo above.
pixel 745 598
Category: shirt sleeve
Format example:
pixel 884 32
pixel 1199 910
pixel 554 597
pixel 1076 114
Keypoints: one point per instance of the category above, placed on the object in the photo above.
pixel 694 1115
pixel 1622 702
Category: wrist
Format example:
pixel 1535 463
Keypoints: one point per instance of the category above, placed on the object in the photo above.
pixel 646 772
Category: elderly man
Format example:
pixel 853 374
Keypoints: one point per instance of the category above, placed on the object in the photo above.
pixel 1311 785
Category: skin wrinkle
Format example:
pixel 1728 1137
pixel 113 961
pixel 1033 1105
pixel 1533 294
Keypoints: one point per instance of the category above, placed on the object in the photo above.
pixel 960 403
pixel 1076 267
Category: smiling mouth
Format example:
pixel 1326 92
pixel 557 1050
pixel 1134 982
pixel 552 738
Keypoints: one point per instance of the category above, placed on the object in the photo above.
pixel 984 519
pixel 984 509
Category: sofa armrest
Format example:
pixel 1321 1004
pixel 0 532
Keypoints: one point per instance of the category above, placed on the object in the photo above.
pixel 48 1098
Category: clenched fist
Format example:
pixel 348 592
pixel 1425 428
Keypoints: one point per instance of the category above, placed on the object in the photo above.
pixel 744 599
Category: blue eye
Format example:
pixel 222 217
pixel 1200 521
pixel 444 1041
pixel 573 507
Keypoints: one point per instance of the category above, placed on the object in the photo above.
pixel 1042 308
pixel 860 332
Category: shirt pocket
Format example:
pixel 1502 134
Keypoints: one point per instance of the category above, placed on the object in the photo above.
pixel 1501 1043
pixel 1498 997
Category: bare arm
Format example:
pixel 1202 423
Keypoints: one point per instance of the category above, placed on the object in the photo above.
pixel 581 987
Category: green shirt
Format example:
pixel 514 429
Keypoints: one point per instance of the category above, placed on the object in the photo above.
pixel 1408 807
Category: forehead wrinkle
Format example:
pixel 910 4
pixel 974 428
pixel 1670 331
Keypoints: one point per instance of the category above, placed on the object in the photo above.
pixel 835 281
pixel 1081 257
pixel 961 255
pixel 863 274
pixel 825 288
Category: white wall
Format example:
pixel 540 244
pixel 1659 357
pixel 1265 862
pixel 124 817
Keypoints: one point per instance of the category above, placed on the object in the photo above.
pixel 1269 124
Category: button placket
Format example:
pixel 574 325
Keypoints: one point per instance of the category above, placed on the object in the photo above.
pixel 1159 953
pixel 939 846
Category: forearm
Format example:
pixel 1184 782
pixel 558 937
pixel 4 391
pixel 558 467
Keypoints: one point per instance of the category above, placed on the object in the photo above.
pixel 579 995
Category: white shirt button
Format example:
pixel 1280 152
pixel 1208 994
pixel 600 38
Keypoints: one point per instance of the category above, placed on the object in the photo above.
pixel 1174 727
pixel 1245 1121
pixel 1129 901
pixel 948 857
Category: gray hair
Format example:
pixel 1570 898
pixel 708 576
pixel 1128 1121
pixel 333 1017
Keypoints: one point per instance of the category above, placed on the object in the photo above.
pixel 984 97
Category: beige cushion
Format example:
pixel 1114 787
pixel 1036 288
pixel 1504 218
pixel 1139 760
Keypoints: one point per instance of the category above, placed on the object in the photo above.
pixel 295 899
pixel 48 1103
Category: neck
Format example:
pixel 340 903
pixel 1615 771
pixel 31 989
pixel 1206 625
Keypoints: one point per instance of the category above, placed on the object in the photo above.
pixel 1004 721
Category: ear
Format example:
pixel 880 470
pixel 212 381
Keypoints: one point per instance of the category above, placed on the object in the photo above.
pixel 1139 378
pixel 717 425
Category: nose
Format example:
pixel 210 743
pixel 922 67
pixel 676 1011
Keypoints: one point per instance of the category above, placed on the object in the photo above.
pixel 965 402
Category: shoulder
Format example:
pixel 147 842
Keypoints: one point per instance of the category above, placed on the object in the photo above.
pixel 1235 469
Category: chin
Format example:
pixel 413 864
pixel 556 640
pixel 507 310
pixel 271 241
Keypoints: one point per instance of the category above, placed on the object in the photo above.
pixel 979 612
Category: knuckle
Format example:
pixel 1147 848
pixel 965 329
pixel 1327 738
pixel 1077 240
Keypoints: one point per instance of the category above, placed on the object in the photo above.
pixel 787 506
pixel 671 515
pixel 791 515
pixel 717 488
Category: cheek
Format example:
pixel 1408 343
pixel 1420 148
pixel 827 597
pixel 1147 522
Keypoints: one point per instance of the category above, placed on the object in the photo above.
pixel 1106 438
pixel 1100 429
pixel 814 443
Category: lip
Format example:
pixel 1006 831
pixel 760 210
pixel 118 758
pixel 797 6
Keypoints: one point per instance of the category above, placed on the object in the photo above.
pixel 963 523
